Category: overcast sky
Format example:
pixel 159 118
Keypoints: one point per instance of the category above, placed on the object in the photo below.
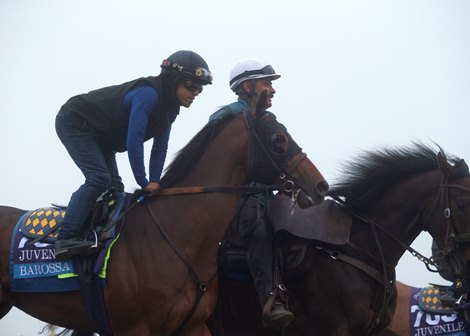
pixel 356 75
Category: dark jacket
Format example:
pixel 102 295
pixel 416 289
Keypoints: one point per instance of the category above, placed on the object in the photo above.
pixel 104 112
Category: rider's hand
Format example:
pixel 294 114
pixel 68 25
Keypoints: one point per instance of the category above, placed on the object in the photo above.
pixel 152 187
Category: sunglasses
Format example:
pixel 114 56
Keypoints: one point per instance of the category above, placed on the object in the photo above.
pixel 191 86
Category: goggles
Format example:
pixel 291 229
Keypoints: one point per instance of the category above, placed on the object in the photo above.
pixel 203 75
pixel 200 74
pixel 192 86
pixel 265 71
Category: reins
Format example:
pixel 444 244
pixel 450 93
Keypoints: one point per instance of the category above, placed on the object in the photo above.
pixel 201 286
pixel 443 196
pixel 287 185
pixel 250 127
pixel 383 280
pixel 452 239
pixel 427 261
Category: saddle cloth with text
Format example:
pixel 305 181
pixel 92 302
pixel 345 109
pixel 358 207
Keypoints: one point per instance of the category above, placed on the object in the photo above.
pixel 424 323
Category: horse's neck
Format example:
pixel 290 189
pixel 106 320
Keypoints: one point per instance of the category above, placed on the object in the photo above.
pixel 196 223
pixel 225 162
pixel 399 214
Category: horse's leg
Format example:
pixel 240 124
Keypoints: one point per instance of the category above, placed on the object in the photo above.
pixel 8 217
pixel 4 306
pixel 4 309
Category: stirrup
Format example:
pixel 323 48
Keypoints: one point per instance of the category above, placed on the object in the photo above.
pixel 66 248
pixel 279 316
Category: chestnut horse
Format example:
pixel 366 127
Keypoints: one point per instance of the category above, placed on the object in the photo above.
pixel 391 195
pixel 165 259
pixel 400 325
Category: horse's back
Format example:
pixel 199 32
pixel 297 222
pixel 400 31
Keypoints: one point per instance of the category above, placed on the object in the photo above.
pixel 9 216
pixel 8 210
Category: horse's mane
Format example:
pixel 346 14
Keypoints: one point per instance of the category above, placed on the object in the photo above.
pixel 188 156
pixel 373 172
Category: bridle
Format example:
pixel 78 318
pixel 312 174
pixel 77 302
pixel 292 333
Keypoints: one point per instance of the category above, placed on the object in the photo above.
pixel 451 241
pixel 290 166
pixel 286 185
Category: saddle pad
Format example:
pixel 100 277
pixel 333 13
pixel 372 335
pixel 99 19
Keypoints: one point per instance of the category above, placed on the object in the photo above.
pixel 33 267
pixel 423 323
pixel 429 301
pixel 37 223
pixel 326 222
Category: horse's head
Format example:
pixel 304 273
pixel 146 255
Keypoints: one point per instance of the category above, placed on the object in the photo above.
pixel 450 228
pixel 275 155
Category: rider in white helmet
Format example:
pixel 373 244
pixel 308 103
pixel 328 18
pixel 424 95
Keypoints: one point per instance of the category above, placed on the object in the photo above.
pixel 248 79
pixel 249 69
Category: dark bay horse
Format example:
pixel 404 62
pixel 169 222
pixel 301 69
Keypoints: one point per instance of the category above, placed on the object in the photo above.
pixel 391 196
pixel 151 284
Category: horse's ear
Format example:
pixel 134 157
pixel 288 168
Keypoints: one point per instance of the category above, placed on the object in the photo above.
pixel 261 103
pixel 462 165
pixel 460 169
pixel 442 163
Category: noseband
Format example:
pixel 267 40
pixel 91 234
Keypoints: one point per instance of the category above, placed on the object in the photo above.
pixel 287 185
pixel 452 240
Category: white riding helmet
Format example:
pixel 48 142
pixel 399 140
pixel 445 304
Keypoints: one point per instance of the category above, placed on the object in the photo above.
pixel 251 68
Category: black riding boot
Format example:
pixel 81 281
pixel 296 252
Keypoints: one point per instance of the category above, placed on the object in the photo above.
pixel 267 277
pixel 275 312
pixel 259 241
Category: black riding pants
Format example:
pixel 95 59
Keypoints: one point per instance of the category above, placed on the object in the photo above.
pixel 258 240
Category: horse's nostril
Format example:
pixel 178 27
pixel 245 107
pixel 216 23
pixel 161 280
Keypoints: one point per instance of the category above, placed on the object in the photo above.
pixel 323 187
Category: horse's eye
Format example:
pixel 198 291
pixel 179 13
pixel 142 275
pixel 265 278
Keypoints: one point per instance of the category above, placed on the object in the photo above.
pixel 279 143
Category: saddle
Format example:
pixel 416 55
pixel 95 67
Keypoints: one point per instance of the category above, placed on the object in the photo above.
pixel 294 227
pixel 327 222
pixel 35 269
pixel 42 225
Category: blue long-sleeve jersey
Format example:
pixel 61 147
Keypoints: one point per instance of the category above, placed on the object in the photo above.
pixel 141 101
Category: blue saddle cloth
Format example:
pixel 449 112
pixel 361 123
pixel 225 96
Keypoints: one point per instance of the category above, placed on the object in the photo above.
pixel 33 267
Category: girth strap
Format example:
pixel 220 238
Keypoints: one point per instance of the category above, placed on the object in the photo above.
pixel 354 262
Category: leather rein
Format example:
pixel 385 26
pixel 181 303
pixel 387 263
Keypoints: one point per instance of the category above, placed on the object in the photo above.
pixel 450 246
pixel 287 186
